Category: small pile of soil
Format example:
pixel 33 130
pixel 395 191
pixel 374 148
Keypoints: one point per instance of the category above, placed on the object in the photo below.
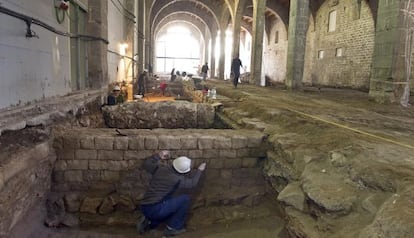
pixel 11 141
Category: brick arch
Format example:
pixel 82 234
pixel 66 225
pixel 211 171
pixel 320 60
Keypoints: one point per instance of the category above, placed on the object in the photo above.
pixel 187 18
pixel 184 17
pixel 247 26
pixel 208 8
pixel 280 9
pixel 274 11
pixel 183 6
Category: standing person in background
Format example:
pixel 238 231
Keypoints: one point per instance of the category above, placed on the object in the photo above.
pixel 173 76
pixel 235 70
pixel 159 203
pixel 163 86
pixel 123 94
pixel 141 83
pixel 204 71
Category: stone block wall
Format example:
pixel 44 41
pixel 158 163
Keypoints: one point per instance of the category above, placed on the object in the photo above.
pixel 168 114
pixel 99 175
pixel 353 36
pixel 24 181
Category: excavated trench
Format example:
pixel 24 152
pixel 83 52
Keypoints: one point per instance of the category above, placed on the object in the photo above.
pixel 78 169
pixel 289 156
pixel 98 181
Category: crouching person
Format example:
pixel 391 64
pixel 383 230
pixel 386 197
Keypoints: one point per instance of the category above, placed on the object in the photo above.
pixel 159 203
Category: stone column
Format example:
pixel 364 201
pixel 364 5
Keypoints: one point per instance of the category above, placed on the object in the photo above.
pixel 237 18
pixel 206 54
pixel 97 50
pixel 222 53
pixel 207 49
pixel 298 26
pixel 259 8
pixel 140 36
pixel 148 38
pixel 213 56
pixel 388 71
pixel 129 25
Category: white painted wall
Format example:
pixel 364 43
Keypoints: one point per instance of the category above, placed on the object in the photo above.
pixel 245 52
pixel 32 69
pixel 275 54
pixel 116 65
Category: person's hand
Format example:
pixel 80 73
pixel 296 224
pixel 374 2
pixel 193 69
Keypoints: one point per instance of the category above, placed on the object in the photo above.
pixel 202 166
pixel 165 155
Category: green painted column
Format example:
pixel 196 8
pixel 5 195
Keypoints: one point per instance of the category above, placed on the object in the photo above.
pixel 388 70
pixel 257 41
pixel 298 26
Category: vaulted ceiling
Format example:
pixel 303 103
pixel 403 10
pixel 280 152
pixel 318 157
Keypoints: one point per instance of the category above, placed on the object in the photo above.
pixel 213 13
pixel 216 14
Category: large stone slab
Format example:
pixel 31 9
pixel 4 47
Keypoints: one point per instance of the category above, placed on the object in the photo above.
pixel 293 195
pixel 395 218
pixel 169 115
pixel 328 189
pixel 299 224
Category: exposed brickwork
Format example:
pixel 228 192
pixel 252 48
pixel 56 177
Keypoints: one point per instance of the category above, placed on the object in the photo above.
pixel 113 163
pixel 24 181
pixel 274 56
pixel 354 34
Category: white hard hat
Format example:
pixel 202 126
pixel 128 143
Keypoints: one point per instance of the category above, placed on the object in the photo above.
pixel 116 88
pixel 182 164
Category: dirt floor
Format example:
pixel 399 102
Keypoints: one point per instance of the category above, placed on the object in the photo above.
pixel 342 109
pixel 377 141
pixel 269 227
pixel 262 221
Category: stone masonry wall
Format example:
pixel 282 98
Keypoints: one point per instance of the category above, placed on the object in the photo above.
pixel 168 114
pixel 24 181
pixel 99 175
pixel 354 34
pixel 26 159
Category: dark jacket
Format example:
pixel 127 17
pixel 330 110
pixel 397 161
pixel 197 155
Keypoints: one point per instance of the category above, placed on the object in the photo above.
pixel 165 180
pixel 141 78
pixel 111 100
pixel 204 69
pixel 235 66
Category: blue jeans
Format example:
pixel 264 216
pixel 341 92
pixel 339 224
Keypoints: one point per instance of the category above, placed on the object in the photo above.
pixel 174 210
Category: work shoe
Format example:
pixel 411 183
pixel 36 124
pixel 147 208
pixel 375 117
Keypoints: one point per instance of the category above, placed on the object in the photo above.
pixel 143 225
pixel 173 232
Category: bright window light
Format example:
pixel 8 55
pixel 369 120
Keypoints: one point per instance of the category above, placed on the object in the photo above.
pixel 122 49
pixel 177 48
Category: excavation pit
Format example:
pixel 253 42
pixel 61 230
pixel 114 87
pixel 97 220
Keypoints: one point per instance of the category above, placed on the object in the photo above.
pixel 98 174
pixel 97 180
